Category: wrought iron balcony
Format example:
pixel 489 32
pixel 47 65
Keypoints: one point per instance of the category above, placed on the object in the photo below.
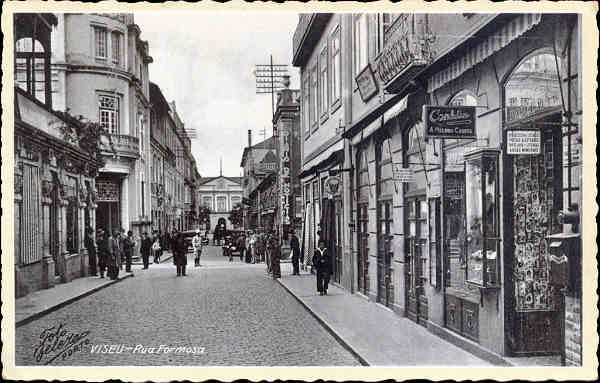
pixel 406 51
pixel 123 145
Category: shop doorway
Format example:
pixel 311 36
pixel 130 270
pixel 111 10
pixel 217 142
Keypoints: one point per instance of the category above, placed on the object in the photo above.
pixel 108 216
pixel 416 259
pixel 363 191
pixel 533 197
pixel 385 287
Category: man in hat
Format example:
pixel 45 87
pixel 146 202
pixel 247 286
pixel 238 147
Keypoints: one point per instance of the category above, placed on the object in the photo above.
pixel 145 247
pixel 91 249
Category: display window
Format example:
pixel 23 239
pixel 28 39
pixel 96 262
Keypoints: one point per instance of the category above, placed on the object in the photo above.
pixel 481 180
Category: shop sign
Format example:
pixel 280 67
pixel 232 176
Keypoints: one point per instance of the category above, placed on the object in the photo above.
pixel 333 185
pixel 367 86
pixel 449 121
pixel 402 174
pixel 523 142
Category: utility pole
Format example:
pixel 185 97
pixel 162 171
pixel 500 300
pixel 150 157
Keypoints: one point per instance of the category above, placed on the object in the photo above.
pixel 269 79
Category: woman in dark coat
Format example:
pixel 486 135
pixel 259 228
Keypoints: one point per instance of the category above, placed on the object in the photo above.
pixel 322 262
pixel 180 254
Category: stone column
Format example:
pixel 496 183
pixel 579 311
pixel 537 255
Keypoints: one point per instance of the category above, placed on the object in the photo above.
pixel 83 254
pixel 62 240
pixel 47 261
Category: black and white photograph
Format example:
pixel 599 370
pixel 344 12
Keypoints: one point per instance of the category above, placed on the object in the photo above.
pixel 296 187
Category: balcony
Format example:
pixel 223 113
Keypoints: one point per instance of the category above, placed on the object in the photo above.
pixel 308 32
pixel 405 53
pixel 123 145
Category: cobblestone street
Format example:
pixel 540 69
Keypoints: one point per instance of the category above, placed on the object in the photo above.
pixel 232 313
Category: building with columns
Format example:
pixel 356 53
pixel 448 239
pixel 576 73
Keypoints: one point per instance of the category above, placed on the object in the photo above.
pixel 55 169
pixel 100 71
pixel 220 194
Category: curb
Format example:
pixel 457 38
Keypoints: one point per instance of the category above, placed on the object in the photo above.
pixel 59 305
pixel 327 326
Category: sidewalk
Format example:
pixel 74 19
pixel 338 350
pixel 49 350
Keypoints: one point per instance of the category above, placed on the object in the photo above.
pixel 42 302
pixel 166 255
pixel 376 335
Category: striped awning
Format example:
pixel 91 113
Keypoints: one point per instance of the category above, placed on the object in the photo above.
pixel 487 47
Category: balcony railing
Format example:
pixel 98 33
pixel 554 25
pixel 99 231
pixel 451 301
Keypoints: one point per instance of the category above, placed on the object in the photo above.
pixel 405 51
pixel 122 144
pixel 514 113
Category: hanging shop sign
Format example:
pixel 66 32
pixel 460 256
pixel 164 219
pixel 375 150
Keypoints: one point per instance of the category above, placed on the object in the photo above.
pixel 333 185
pixel 367 86
pixel 523 142
pixel 449 121
pixel 402 174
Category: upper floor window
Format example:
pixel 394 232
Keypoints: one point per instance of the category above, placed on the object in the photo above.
pixel 116 47
pixel 360 43
pixel 221 204
pixel 109 113
pixel 30 68
pixel 100 43
pixel 336 66
pixel 314 91
pixel 324 83
pixel 306 106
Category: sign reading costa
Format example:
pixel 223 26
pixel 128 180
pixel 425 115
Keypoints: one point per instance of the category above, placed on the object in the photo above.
pixel 449 121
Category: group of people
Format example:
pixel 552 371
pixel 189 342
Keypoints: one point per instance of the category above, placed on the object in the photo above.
pixel 108 252
pixel 112 252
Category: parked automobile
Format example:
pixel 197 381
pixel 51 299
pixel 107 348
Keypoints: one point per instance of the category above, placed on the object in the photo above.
pixel 230 246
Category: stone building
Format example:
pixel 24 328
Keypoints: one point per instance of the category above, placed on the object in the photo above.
pixel 56 162
pixel 220 194
pixel 450 230
pixel 100 71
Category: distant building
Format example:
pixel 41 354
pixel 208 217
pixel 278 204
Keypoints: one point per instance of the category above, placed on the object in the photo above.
pixel 220 194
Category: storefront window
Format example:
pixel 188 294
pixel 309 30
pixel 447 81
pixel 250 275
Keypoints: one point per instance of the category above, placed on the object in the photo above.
pixel 481 218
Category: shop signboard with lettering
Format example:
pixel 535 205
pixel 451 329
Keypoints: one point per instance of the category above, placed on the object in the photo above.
pixel 449 122
pixel 367 86
pixel 402 174
pixel 523 142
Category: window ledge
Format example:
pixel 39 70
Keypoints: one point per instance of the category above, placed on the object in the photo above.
pixel 324 118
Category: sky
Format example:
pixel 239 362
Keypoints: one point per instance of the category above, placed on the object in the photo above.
pixel 204 62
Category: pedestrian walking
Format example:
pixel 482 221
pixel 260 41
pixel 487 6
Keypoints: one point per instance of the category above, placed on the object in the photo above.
pixel 128 246
pixel 197 244
pixel 91 249
pixel 145 248
pixel 241 245
pixel 268 252
pixel 275 254
pixel 322 263
pixel 180 254
pixel 114 256
pixel 156 248
pixel 295 245
pixel 104 251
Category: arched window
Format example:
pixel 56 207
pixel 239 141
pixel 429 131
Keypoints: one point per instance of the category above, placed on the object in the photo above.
pixel 30 67
pixel 533 86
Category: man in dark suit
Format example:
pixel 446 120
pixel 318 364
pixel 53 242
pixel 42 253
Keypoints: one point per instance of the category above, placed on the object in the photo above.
pixel 145 247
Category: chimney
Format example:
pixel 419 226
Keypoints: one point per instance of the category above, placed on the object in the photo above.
pixel 249 138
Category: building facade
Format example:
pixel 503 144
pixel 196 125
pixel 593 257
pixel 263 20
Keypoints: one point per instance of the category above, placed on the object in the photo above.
pixel 100 71
pixel 56 162
pixel 452 231
pixel 287 127
pixel 258 162
pixel 220 194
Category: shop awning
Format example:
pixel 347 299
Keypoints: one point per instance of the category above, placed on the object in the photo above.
pixel 337 157
pixel 484 49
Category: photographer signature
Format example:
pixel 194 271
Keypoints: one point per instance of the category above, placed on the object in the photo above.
pixel 58 342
